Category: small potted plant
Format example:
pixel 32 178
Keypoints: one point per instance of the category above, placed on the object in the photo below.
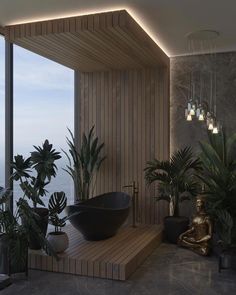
pixel 58 239
pixel 176 183
pixel 34 174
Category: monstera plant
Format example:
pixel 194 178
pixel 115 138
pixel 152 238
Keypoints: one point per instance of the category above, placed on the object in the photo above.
pixel 57 238
pixel 84 163
pixel 175 183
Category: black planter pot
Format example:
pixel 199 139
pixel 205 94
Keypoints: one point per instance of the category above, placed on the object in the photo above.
pixel 174 227
pixel 6 265
pixel 227 259
pixel 216 247
pixel 42 222
pixel 4 256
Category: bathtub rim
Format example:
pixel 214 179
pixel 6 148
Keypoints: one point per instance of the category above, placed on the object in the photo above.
pixel 84 206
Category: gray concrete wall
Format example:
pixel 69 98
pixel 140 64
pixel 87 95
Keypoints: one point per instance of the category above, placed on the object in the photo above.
pixel 190 133
pixel 184 133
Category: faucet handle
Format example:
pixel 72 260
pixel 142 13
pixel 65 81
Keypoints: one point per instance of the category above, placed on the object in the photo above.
pixel 132 184
pixel 128 185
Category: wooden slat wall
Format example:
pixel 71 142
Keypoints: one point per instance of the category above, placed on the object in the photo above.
pixel 130 109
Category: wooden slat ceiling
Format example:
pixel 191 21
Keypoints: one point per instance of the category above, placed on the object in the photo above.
pixel 111 40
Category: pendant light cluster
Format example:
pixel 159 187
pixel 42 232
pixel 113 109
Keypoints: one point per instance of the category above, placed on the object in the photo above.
pixel 202 96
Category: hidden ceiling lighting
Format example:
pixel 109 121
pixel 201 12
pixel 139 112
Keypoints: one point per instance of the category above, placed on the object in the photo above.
pixel 202 90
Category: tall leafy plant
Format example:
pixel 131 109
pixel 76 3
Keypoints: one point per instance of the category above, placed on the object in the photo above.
pixel 15 233
pixel 36 172
pixel 175 177
pixel 84 163
pixel 219 178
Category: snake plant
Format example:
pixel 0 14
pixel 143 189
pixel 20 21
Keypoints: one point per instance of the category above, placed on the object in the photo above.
pixel 84 163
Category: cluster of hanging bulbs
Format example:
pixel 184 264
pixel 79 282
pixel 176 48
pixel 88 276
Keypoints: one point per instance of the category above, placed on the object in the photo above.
pixel 202 42
pixel 196 110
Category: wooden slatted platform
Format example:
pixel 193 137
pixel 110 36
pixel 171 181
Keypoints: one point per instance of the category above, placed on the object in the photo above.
pixel 115 258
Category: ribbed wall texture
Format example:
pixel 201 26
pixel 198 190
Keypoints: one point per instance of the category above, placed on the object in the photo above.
pixel 130 109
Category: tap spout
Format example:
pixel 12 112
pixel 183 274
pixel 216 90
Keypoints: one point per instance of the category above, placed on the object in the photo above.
pixel 134 187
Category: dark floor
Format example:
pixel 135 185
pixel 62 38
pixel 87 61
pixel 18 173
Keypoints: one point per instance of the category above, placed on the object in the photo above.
pixel 169 270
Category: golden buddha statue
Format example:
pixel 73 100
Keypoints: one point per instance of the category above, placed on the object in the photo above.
pixel 198 237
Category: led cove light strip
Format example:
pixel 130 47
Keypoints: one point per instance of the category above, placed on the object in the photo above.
pixel 130 11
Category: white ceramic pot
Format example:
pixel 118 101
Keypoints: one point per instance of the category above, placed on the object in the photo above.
pixel 59 241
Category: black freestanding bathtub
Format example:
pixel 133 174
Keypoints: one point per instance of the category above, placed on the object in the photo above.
pixel 100 217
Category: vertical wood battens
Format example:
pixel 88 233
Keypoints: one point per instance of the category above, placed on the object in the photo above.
pixel 130 109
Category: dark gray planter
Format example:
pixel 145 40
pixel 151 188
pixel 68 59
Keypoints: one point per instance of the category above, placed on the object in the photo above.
pixel 6 265
pixel 42 223
pixel 5 281
pixel 4 256
pixel 227 259
pixel 174 227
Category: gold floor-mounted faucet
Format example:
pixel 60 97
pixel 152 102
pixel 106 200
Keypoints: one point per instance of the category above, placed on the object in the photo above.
pixel 135 192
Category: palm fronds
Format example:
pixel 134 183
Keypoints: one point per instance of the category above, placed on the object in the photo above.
pixel 175 177
pixel 219 178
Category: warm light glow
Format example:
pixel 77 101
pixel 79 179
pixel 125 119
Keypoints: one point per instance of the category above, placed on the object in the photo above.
pixel 210 126
pixel 215 130
pixel 192 112
pixel 189 117
pixel 132 13
pixel 201 117
pixel 198 112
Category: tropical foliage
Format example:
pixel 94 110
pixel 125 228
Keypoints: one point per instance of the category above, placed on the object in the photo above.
pixel 175 178
pixel 35 172
pixel 219 178
pixel 56 205
pixel 84 163
pixel 16 233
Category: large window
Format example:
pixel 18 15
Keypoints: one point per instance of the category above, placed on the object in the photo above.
pixel 2 109
pixel 43 109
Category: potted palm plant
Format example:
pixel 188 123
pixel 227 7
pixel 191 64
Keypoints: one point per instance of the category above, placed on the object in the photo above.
pixel 57 239
pixel 218 158
pixel 84 163
pixel 15 235
pixel 175 182
pixel 34 174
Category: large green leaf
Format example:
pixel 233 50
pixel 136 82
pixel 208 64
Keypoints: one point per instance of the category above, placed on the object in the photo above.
pixel 57 203
pixel 219 179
